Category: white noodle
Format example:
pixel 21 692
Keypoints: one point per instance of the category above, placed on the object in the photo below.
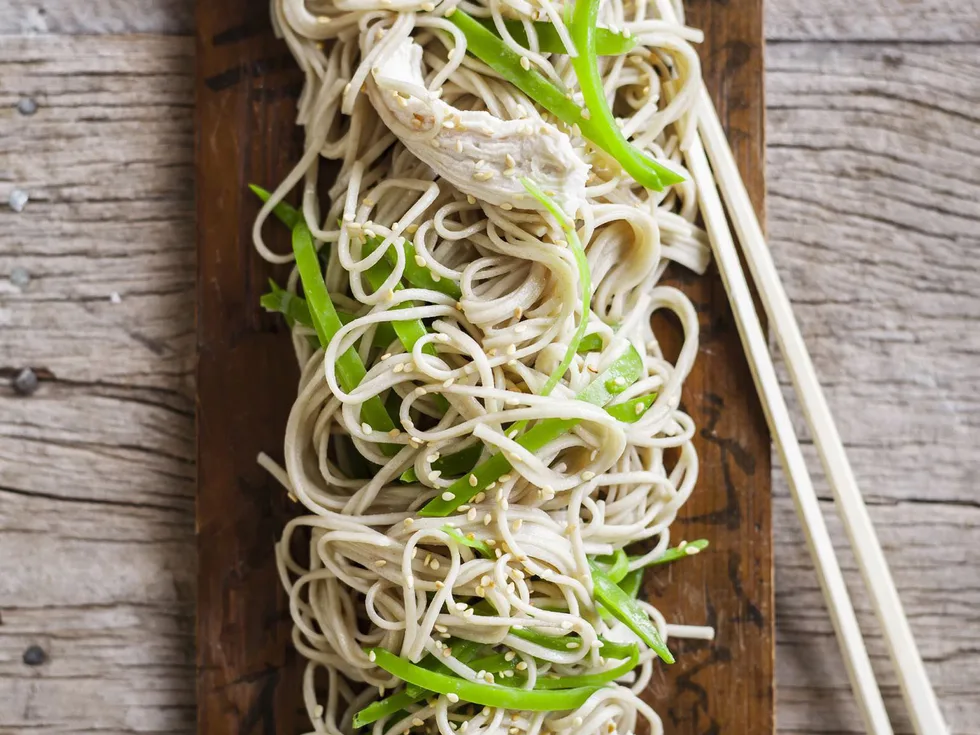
pixel 372 572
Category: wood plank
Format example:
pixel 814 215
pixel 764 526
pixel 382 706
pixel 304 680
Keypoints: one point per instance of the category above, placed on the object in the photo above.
pixel 248 680
pixel 874 179
pixel 244 669
pixel 873 20
pixel 726 685
pixel 828 108
pixel 785 20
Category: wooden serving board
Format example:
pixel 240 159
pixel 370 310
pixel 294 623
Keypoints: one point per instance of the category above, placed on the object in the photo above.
pixel 248 677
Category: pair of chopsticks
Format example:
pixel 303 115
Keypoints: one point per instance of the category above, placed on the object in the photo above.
pixel 710 161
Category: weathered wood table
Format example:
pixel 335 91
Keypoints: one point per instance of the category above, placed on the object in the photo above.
pixel 874 215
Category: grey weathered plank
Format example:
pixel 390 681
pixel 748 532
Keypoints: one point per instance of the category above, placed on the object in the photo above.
pixel 786 20
pixel 873 169
pixel 873 184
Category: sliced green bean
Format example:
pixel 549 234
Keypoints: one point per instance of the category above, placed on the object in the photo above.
pixel 284 211
pixel 628 367
pixel 481 546
pixel 488 695
pixel 690 548
pixel 326 322
pixel 607 42
pixel 628 611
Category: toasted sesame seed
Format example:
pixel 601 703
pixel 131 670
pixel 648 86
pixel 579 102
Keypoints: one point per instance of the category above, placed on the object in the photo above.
pixel 471 514
pixel 470 199
pixel 487 519
pixel 521 666
pixel 427 7
pixel 639 409
pixel 505 478
pixel 483 175
pixel 480 497
pixel 525 63
pixel 588 475
pixel 418 722
pixel 453 698
pixel 420 261
pixel 394 433
pixel 366 428
pixel 434 564
pixel 372 656
pixel 447 496
pixel 408 521
pixel 692 550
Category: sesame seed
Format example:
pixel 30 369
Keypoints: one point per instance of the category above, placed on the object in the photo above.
pixel 372 656
pixel 511 349
pixel 510 172
pixel 454 698
pixel 480 497
pixel 398 368
pixel 639 409
pixel 470 199
pixel 318 711
pixel 521 666
pixel 485 582
pixel 459 146
pixel 588 475
pixel 427 7
pixel 525 63
pixel 434 475
pixel 432 457
pixel 434 564
pixel 483 175
pixel 450 11
pixel 448 382
pixel 504 504
pixel 692 550
pixel 471 514
pixel 394 433
pixel 448 496
pixel 505 478
pixel 440 584
pixel 366 428
pixel 420 261
pixel 487 519
pixel 408 522
pixel 417 722
pixel 468 613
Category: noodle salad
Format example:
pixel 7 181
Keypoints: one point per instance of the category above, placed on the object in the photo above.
pixel 486 438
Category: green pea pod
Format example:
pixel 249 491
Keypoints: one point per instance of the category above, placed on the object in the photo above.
pixel 350 369
pixel 616 566
pixel 591 680
pixel 608 648
pixel 584 279
pixel 607 42
pixel 643 169
pixel 488 695
pixel 463 650
pixel 626 610
pixel 678 552
pixel 295 310
pixel 284 211
pixel 628 367
pixel 456 535
pixel 632 583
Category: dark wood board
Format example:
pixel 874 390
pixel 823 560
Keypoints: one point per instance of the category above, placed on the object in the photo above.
pixel 248 678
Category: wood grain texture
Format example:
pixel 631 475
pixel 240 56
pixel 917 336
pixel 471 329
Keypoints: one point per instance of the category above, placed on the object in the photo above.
pixel 785 20
pixel 248 677
pixel 873 121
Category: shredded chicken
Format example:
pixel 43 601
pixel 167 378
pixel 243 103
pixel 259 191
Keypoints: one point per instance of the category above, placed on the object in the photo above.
pixel 476 151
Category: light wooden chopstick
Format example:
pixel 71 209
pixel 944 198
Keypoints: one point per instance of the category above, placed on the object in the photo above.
pixel 920 699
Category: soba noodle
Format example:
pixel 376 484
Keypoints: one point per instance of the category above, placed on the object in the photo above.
pixel 363 568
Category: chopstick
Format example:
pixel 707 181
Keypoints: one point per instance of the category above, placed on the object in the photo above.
pixel 920 699
pixel 818 541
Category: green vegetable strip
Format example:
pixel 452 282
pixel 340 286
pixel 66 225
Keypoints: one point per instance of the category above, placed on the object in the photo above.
pixel 642 168
pixel 409 331
pixel 415 274
pixel 590 680
pixel 284 211
pixel 488 695
pixel 350 369
pixel 679 552
pixel 456 535
pixel 584 279
pixel 418 275
pixel 615 567
pixel 625 609
pixel 628 367
pixel 451 465
pixel 492 51
pixel 632 583
pixel 463 650
pixel 607 42
pixel 609 649
pixel 590 343
pixel 295 309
